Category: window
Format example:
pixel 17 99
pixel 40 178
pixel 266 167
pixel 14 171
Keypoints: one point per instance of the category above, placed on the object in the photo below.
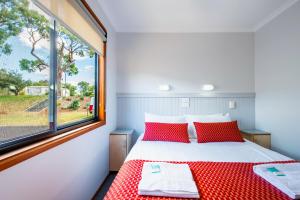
pixel 76 77
pixel 50 70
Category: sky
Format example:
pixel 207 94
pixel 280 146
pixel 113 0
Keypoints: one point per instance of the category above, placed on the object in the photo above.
pixel 21 47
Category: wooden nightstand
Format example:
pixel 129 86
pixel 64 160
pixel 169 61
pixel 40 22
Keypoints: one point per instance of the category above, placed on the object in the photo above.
pixel 259 137
pixel 119 147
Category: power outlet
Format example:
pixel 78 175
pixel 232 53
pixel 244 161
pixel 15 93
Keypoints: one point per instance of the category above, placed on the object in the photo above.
pixel 232 104
pixel 185 103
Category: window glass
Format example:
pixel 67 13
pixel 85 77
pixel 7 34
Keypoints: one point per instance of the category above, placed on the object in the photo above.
pixel 76 75
pixel 37 54
pixel 24 69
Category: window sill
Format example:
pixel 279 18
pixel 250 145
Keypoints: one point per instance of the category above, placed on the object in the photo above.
pixel 12 158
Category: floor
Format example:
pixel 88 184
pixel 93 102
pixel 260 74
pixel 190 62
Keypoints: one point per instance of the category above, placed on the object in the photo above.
pixel 105 186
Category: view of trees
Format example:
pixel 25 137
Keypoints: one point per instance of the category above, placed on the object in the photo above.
pixel 12 81
pixel 15 17
pixel 26 107
pixel 71 88
pixel 11 21
pixel 86 89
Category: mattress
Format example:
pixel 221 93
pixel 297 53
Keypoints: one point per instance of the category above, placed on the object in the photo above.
pixel 216 152
pixel 220 170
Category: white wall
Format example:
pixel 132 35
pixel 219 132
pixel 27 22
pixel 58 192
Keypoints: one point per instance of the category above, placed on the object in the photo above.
pixel 185 61
pixel 73 170
pixel 277 81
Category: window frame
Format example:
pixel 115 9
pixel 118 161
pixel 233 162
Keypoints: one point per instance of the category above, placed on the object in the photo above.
pixel 24 148
pixel 69 125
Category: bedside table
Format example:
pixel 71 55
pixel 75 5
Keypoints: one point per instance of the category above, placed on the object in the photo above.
pixel 261 138
pixel 119 147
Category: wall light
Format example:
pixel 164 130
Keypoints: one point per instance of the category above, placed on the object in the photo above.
pixel 164 87
pixel 208 87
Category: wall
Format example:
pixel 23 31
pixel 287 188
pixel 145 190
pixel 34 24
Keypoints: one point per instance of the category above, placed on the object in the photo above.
pixel 185 61
pixel 131 108
pixel 73 170
pixel 277 70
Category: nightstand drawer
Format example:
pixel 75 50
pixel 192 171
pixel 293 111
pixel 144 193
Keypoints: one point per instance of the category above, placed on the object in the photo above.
pixel 119 147
pixel 259 137
pixel 117 151
pixel 263 140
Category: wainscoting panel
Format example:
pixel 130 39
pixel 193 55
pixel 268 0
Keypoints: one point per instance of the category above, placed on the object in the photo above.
pixel 131 108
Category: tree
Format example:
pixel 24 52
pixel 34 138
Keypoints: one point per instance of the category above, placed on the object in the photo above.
pixel 68 46
pixel 91 90
pixel 13 81
pixel 15 16
pixel 84 88
pixel 38 28
pixel 11 23
pixel 71 88
pixel 17 83
pixel 40 83
pixel 3 79
pixel 75 105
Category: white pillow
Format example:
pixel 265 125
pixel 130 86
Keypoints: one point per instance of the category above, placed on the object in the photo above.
pixel 205 118
pixel 164 119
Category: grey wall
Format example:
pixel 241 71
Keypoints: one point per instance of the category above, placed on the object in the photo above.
pixel 131 108
pixel 75 169
pixel 277 80
pixel 185 61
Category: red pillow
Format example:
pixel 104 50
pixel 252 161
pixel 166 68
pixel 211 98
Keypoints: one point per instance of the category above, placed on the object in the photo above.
pixel 166 132
pixel 218 132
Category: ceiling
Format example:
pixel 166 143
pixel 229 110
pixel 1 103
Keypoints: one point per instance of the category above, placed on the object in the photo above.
pixel 192 15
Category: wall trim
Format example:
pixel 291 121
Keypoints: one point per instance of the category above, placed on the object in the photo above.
pixel 274 14
pixel 176 95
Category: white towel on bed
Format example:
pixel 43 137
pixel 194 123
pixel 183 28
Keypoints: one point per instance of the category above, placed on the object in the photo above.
pixel 169 180
pixel 287 179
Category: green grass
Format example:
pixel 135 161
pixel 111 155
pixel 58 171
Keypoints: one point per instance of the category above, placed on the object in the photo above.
pixel 40 119
pixel 67 117
pixel 12 112
pixel 14 104
pixel 23 119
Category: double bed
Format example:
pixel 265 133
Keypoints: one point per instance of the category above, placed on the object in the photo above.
pixel 221 170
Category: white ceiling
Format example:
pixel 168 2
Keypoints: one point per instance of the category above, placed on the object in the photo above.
pixel 192 15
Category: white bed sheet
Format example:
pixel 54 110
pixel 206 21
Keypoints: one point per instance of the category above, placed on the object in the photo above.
pixel 215 152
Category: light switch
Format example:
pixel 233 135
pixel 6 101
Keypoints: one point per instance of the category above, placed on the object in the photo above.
pixel 185 103
pixel 232 105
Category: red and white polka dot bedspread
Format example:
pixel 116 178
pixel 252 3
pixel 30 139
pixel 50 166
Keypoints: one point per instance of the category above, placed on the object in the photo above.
pixel 215 180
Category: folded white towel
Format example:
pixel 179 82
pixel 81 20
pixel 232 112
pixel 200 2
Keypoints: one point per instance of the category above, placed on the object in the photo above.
pixel 169 180
pixel 286 177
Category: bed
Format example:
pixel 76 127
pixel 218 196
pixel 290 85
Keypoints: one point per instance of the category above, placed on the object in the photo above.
pixel 222 170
